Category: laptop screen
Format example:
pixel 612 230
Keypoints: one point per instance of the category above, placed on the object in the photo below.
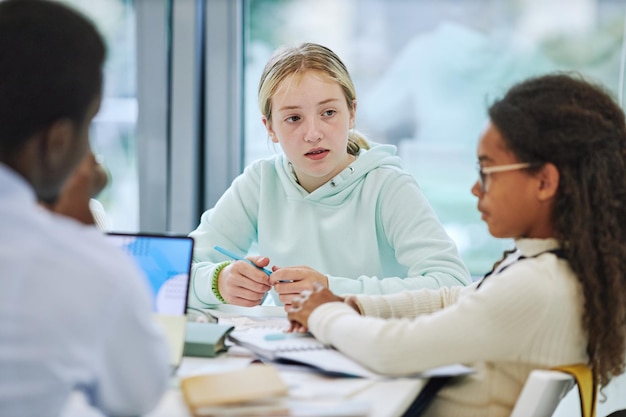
pixel 166 263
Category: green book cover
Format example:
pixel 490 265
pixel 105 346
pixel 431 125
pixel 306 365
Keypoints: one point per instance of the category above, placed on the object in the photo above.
pixel 205 339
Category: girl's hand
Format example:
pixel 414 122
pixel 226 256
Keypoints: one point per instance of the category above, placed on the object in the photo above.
pixel 290 282
pixel 303 305
pixel 243 284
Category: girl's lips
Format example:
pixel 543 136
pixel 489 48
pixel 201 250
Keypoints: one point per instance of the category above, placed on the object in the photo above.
pixel 317 154
pixel 482 212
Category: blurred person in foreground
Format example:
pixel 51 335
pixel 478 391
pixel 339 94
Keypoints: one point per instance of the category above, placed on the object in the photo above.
pixel 75 313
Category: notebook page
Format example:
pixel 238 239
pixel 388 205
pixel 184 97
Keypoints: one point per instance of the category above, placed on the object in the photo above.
pixel 268 341
pixel 274 344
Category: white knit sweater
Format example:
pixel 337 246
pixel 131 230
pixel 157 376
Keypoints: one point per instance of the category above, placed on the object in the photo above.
pixel 527 316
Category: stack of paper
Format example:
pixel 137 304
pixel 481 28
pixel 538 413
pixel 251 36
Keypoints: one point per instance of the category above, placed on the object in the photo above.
pixel 256 390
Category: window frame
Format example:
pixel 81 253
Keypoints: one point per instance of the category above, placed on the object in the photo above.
pixel 188 152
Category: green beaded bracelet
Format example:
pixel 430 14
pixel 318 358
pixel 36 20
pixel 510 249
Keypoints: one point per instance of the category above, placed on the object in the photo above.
pixel 216 276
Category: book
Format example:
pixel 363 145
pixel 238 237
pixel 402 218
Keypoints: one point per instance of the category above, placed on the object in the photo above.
pixel 251 391
pixel 205 339
pixel 274 344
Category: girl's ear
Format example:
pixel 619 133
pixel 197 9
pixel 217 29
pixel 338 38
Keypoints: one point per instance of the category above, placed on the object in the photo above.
pixel 270 131
pixel 353 114
pixel 549 181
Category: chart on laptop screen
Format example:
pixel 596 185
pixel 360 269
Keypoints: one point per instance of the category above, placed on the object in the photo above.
pixel 166 263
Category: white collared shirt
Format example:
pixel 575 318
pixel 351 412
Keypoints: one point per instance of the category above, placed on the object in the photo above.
pixel 74 315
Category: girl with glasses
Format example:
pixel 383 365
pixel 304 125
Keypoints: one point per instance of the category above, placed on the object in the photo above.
pixel 553 177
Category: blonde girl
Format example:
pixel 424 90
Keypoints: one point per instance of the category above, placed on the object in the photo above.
pixel 331 209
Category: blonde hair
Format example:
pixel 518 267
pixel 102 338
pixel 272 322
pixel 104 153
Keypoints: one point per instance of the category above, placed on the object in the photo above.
pixel 287 61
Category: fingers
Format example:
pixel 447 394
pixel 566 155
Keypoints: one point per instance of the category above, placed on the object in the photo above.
pixel 297 301
pixel 92 174
pixel 295 327
pixel 252 277
pixel 294 299
pixel 290 282
pixel 303 275
pixel 246 283
pixel 237 286
pixel 78 189
pixel 259 261
pixel 248 296
pixel 244 302
pixel 243 284
pixel 297 320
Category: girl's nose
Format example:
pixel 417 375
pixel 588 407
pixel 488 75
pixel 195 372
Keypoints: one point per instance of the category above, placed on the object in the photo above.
pixel 476 190
pixel 313 133
pixel 312 138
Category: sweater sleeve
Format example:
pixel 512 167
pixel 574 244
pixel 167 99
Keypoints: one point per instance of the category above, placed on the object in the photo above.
pixel 232 224
pixel 409 304
pixel 494 323
pixel 409 227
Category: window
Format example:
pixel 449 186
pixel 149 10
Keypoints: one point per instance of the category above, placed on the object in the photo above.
pixel 113 131
pixel 425 72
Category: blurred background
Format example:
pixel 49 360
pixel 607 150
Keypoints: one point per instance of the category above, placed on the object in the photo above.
pixel 180 117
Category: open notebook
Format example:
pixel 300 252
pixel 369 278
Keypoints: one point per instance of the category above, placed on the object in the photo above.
pixel 166 263
pixel 272 343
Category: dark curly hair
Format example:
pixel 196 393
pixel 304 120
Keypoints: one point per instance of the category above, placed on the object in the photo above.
pixel 575 124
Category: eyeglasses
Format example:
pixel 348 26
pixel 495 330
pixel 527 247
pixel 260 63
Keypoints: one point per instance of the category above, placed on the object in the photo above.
pixel 484 172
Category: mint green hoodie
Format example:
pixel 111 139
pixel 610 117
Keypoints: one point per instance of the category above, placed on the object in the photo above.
pixel 370 229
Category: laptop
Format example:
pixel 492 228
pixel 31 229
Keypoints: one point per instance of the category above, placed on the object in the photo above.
pixel 166 263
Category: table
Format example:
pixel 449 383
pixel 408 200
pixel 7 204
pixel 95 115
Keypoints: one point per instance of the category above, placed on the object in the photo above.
pixel 386 398
pixel 383 398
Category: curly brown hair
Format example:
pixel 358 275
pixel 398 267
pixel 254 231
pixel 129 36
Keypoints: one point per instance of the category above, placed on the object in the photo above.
pixel 577 126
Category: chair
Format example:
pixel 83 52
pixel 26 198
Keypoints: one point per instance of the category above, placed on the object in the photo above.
pixel 542 393
pixel 544 390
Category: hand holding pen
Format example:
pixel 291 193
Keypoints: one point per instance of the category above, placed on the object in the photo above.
pixel 244 283
pixel 236 257
pixel 288 282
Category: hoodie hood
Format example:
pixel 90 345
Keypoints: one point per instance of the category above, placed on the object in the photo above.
pixel 338 189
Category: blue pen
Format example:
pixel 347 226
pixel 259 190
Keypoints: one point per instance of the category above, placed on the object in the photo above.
pixel 239 258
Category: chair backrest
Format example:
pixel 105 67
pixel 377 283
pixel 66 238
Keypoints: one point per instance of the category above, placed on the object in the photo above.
pixel 587 386
pixel 542 393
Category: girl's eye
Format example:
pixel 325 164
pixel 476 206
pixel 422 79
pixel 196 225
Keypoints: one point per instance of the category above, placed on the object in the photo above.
pixel 329 112
pixel 292 119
